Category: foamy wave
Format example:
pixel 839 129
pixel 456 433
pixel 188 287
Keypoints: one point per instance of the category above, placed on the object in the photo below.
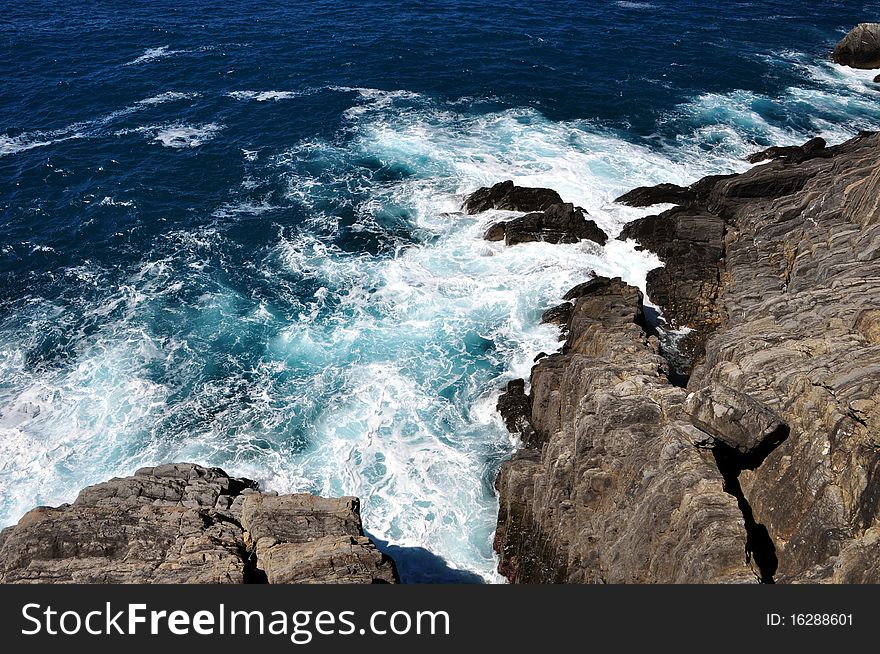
pixel 176 135
pixel 84 129
pixel 168 96
pixel 375 99
pixel 244 208
pixel 635 5
pixel 23 142
pixel 264 96
pixel 152 54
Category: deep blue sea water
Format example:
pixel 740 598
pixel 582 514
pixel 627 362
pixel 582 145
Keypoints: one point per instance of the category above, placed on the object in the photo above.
pixel 229 231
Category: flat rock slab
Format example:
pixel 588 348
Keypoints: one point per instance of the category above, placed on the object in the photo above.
pixel 184 523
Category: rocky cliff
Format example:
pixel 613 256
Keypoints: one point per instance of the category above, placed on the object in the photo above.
pixel 182 523
pixel 767 465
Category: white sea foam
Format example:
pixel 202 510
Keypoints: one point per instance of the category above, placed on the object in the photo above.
pixel 84 129
pixel 168 96
pixel 176 135
pixel 264 96
pixel 635 5
pixel 108 201
pixel 152 54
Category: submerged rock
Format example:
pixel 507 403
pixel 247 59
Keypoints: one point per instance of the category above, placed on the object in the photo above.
pixel 509 197
pixel 182 523
pixel 860 48
pixel 559 223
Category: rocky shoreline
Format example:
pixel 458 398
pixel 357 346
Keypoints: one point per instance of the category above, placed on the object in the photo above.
pixel 763 462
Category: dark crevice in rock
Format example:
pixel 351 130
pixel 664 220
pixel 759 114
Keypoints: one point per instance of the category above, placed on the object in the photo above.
pixel 252 573
pixel 731 462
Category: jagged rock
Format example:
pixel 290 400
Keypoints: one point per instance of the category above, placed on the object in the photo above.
pixel 515 408
pixel 507 196
pixel 877 79
pixel 308 539
pixel 559 223
pixel 495 232
pixel 593 285
pixel 559 315
pixel 794 153
pixel 645 196
pixel 778 269
pixel 860 48
pixel 690 242
pixel 183 523
pixel 612 489
pixel 738 421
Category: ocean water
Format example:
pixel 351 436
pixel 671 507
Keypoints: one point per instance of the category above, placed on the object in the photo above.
pixel 230 233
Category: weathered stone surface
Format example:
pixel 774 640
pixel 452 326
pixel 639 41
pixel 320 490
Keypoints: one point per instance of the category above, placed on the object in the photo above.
pixel 613 488
pixel 183 523
pixel 778 270
pixel 559 315
pixel 860 48
pixel 507 196
pixel 797 302
pixel 645 196
pixel 559 223
pixel 515 408
pixel 308 539
pixel 737 420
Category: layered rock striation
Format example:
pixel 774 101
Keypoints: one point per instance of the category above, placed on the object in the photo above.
pixel 182 523
pixel 767 465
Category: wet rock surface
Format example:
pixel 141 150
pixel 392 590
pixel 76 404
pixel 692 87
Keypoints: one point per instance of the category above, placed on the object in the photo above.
pixel 183 523
pixel 507 196
pixel 559 223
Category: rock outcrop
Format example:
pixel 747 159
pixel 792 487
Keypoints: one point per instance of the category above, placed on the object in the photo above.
pixel 559 223
pixel 777 271
pixel 860 48
pixel 690 242
pixel 182 523
pixel 507 196
pixel 611 488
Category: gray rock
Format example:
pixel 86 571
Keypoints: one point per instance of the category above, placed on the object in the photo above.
pixel 813 148
pixel 860 48
pixel 738 421
pixel 183 523
pixel 612 489
pixel 796 325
